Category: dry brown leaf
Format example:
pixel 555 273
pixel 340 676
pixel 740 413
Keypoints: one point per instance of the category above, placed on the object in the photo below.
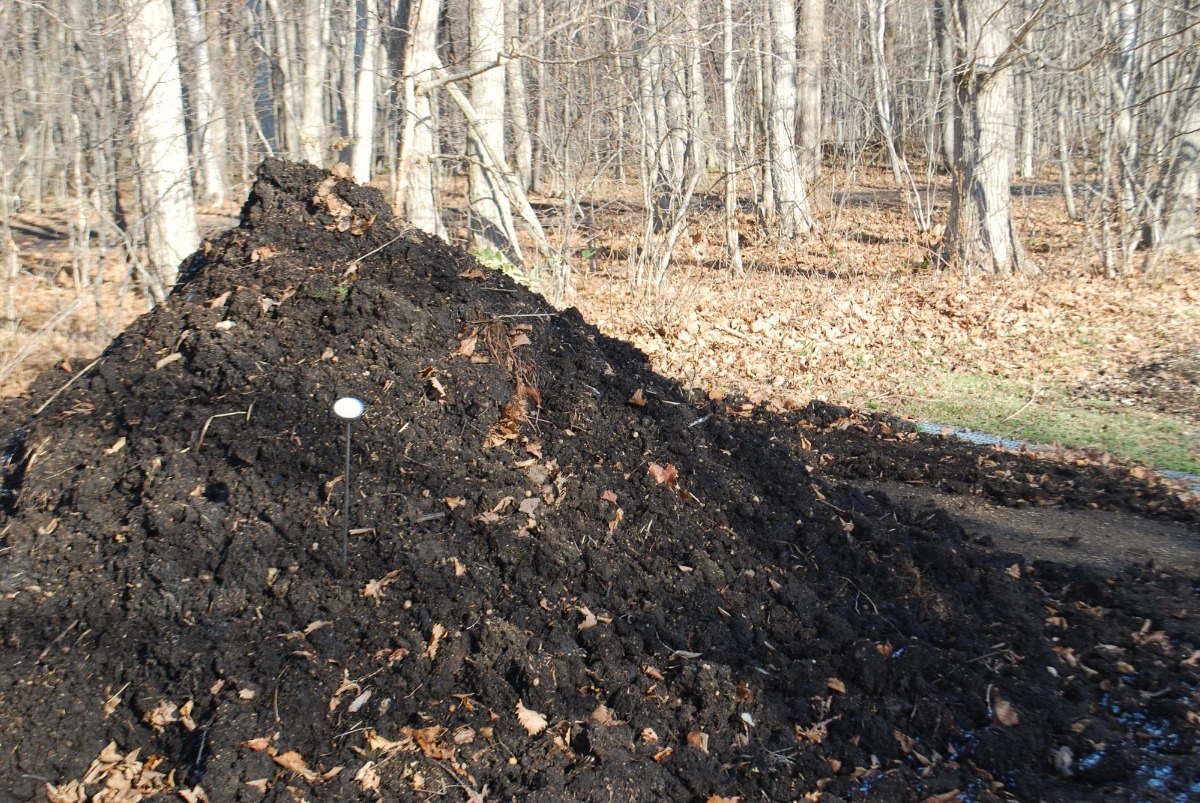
pixel 359 702
pixel 638 399
pixel 1002 711
pixel 668 476
pixel 651 672
pixel 162 715
pixel 436 634
pixel 605 716
pixel 257 745
pixel 529 505
pixel 649 736
pixel 836 685
pixel 377 742
pixel 260 785
pixel 589 619
pixel 466 347
pixel 698 740
pixel 518 339
pixel 608 496
pixel 293 762
pixel 454 502
pixel 367 777
pixel 815 733
pixel 533 722
pixel 473 274
pixel 723 799
pixel 664 754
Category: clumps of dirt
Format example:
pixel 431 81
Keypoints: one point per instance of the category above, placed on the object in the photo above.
pixel 567 580
pixel 1165 382
pixel 853 445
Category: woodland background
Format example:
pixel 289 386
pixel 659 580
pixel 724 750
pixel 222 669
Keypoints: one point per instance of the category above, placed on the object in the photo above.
pixel 980 211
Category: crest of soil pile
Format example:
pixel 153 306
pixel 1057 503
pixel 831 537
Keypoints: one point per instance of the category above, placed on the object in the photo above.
pixel 566 581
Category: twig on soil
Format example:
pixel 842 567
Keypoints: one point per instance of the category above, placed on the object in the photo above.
pixel 70 382
pixel 204 429
pixel 58 638
pixel 374 251
pixel 517 315
pixel 118 694
pixel 474 793
pixel 699 421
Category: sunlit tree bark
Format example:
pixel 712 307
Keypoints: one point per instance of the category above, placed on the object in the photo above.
pixel 981 234
pixel 161 138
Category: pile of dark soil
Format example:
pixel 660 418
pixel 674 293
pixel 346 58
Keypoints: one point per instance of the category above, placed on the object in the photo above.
pixel 567 580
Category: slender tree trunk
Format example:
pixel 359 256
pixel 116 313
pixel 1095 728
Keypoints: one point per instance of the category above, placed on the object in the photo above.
pixel 1064 152
pixel 161 138
pixel 417 184
pixel 211 136
pixel 538 153
pixel 733 248
pixel 945 41
pixel 288 73
pixel 877 24
pixel 791 187
pixel 981 234
pixel 363 157
pixel 812 44
pixel 316 61
pixel 1028 125
pixel 1124 19
pixel 518 99
pixel 491 214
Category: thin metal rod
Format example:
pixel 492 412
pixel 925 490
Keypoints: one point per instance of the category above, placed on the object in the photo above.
pixel 346 530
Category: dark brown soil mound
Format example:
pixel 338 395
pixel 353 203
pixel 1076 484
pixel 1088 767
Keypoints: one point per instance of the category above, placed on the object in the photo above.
pixel 567 580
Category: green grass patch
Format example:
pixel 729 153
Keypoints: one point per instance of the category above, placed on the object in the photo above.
pixel 1002 407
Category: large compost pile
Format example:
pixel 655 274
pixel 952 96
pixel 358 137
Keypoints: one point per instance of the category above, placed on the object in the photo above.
pixel 567 578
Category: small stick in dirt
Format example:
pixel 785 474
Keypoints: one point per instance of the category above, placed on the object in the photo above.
pixel 70 382
pixel 347 408
pixel 204 429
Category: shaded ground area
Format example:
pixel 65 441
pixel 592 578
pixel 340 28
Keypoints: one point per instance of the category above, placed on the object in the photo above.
pixel 567 580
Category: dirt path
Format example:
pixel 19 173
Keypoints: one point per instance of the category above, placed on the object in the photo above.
pixel 1104 540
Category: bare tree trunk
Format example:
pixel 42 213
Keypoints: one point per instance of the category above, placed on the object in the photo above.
pixel 288 70
pixel 1064 152
pixel 1183 187
pixel 161 139
pixel 363 155
pixel 1028 125
pixel 518 99
pixel 877 24
pixel 491 214
pixel 812 28
pixel 211 132
pixel 537 155
pixel 1124 17
pixel 981 234
pixel 791 187
pixel 316 60
pixel 417 185
pixel 945 42
pixel 733 248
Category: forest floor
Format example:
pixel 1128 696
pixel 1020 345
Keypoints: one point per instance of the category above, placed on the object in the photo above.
pixel 569 576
